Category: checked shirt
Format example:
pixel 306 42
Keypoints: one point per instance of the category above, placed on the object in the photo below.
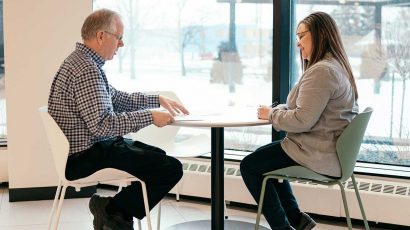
pixel 88 109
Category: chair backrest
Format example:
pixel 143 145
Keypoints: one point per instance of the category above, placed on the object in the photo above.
pixel 57 140
pixel 153 135
pixel 348 144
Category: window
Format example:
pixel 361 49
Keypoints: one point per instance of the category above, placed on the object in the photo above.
pixel 213 54
pixel 217 54
pixel 377 40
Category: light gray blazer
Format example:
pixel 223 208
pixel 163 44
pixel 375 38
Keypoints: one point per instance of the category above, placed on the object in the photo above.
pixel 316 112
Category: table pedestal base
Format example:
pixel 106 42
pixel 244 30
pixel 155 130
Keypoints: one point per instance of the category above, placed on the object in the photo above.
pixel 206 225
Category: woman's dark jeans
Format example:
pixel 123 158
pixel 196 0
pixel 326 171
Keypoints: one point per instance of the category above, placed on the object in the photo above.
pixel 280 207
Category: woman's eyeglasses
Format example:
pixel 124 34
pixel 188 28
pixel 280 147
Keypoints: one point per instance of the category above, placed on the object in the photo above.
pixel 300 35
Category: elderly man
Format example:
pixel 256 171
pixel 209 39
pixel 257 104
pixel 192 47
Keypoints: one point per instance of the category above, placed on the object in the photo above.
pixel 94 116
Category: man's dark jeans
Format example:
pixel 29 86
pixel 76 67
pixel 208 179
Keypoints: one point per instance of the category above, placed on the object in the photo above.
pixel 150 164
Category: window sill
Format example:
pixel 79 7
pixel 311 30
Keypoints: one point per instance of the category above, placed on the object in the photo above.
pixel 391 171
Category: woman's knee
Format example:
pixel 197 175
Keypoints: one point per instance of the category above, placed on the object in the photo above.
pixel 245 165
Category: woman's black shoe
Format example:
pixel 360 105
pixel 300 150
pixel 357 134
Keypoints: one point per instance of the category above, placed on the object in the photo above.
pixel 306 222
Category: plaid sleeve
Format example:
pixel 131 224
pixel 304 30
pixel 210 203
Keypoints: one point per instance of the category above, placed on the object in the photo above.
pixel 96 108
pixel 123 101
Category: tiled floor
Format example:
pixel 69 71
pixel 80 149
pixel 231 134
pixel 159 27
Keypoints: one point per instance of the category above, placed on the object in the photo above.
pixel 75 215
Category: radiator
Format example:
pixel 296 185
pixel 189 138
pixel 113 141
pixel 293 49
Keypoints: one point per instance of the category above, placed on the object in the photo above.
pixel 385 201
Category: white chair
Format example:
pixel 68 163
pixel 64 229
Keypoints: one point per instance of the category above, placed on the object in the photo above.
pixel 60 147
pixel 347 149
pixel 165 138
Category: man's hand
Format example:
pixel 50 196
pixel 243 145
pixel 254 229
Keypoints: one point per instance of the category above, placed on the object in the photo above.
pixel 172 106
pixel 161 119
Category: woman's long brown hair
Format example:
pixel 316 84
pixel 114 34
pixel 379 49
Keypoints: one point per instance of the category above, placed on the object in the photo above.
pixel 326 38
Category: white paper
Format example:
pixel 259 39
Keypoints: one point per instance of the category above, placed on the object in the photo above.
pixel 189 117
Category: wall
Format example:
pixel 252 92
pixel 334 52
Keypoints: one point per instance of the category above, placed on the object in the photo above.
pixel 4 174
pixel 38 36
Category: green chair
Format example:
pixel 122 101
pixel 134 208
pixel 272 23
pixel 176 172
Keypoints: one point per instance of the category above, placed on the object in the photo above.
pixel 347 147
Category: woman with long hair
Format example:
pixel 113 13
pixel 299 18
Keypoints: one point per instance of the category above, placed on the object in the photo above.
pixel 317 110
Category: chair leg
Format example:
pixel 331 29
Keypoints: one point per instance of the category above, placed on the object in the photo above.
pixel 159 216
pixel 260 205
pixel 60 205
pixel 342 190
pixel 139 224
pixel 359 200
pixel 147 212
pixel 177 192
pixel 57 195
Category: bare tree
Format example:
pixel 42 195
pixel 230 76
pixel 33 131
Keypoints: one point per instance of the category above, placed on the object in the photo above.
pixel 188 36
pixel 127 10
pixel 398 50
pixel 180 7
pixel 133 18
pixel 187 31
pixel 131 10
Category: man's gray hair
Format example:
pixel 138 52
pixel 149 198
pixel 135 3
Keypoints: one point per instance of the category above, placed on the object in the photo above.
pixel 99 20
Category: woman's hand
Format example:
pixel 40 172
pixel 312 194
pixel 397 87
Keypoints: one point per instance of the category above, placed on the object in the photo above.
pixel 172 106
pixel 263 112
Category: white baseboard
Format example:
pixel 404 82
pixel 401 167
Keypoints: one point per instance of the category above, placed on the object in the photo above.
pixel 4 169
pixel 385 201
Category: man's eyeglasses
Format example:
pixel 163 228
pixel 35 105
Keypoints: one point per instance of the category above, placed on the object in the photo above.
pixel 300 35
pixel 118 37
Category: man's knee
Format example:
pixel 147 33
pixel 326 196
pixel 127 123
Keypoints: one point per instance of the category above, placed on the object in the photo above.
pixel 178 166
pixel 174 170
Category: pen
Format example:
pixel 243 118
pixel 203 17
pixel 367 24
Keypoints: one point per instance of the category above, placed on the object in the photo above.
pixel 275 103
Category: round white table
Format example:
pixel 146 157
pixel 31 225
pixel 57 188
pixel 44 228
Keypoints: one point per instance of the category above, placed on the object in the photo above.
pixel 217 122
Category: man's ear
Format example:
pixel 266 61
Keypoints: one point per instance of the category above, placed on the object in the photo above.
pixel 99 36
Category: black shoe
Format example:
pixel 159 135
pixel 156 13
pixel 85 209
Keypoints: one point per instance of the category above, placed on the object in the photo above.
pixel 117 222
pixel 306 222
pixel 97 207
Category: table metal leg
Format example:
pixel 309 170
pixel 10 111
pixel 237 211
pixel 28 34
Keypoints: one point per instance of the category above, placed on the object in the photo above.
pixel 217 177
pixel 217 193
